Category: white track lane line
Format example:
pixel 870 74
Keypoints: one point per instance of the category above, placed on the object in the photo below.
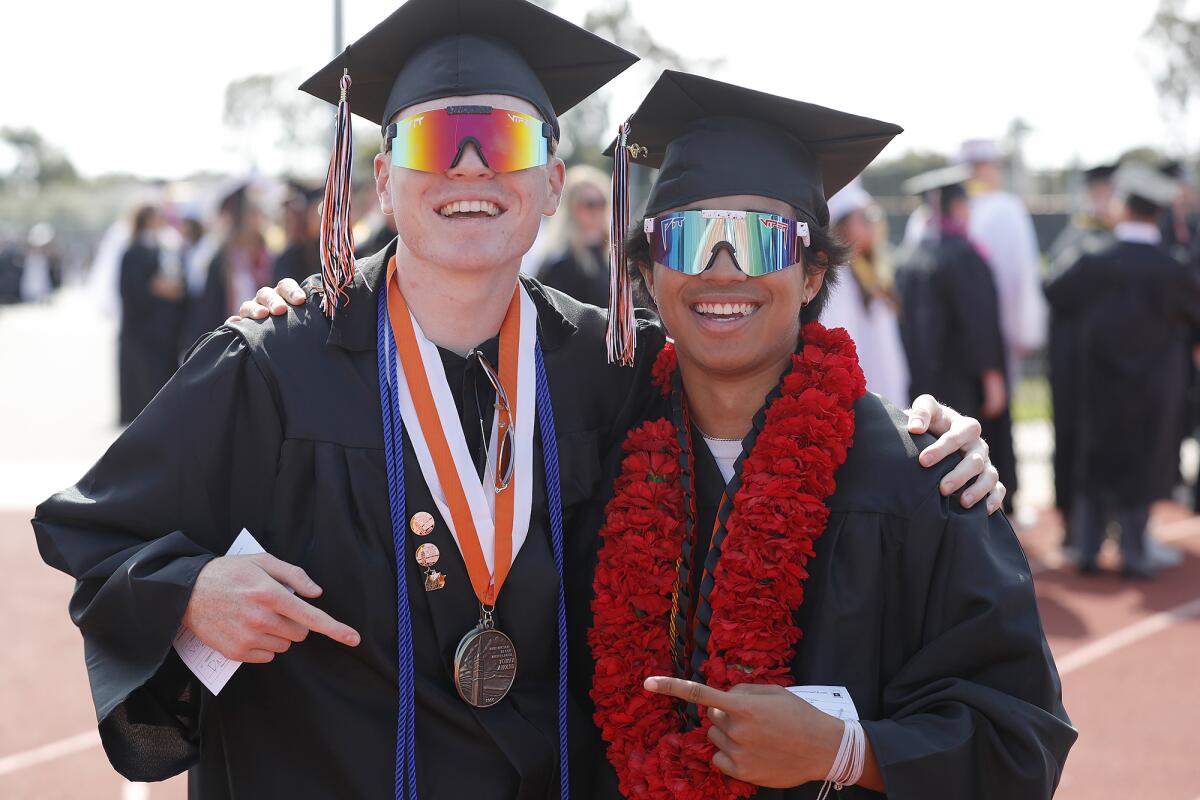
pixel 49 752
pixel 1120 639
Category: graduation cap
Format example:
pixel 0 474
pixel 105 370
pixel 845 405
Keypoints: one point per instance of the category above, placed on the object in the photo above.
pixel 429 49
pixel 710 139
pixel 301 193
pixel 850 198
pixel 1100 172
pixel 974 151
pixel 1147 184
pixel 935 179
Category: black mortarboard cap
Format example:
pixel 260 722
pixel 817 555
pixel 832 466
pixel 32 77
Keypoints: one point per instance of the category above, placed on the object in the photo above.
pixel 429 49
pixel 938 178
pixel 1100 172
pixel 710 139
pixel 1172 168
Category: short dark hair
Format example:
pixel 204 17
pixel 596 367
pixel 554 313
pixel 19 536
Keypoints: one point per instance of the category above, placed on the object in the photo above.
pixel 825 252
pixel 1142 208
pixel 949 195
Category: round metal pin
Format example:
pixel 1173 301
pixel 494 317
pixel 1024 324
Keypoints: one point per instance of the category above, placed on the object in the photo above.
pixel 428 555
pixel 421 523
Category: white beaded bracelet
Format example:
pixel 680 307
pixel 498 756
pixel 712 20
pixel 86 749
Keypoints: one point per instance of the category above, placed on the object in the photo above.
pixel 848 764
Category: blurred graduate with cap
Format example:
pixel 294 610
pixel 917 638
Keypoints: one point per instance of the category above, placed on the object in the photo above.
pixel 391 445
pixel 1089 231
pixel 950 315
pixel 1130 304
pixel 864 302
pixel 1003 229
pixel 302 224
pixel 771 525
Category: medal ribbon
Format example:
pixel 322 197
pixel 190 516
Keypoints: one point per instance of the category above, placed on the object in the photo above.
pixel 393 446
pixel 486 583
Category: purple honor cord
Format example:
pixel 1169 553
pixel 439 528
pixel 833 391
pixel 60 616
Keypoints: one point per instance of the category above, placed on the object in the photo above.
pixel 393 446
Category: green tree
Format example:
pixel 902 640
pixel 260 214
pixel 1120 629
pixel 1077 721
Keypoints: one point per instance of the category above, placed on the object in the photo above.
pixel 1177 33
pixel 38 163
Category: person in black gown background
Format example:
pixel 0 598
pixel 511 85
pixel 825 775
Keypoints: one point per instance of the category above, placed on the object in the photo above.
pixel 1088 232
pixel 302 224
pixel 950 322
pixel 151 307
pixel 1132 306
pixel 579 266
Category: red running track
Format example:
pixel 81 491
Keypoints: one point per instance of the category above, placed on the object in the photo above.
pixel 1130 654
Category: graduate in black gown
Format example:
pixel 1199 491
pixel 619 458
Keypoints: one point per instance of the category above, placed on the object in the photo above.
pixel 276 428
pixel 949 318
pixel 1132 305
pixel 302 214
pixel 151 315
pixel 1088 232
pixel 922 609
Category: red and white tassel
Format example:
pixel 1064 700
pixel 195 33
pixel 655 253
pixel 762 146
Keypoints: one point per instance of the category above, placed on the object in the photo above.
pixel 337 236
pixel 621 337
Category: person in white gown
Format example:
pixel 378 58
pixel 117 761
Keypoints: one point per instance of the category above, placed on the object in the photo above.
pixel 864 302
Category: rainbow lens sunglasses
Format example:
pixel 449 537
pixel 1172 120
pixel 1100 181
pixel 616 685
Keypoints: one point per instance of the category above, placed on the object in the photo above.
pixel 434 141
pixel 688 241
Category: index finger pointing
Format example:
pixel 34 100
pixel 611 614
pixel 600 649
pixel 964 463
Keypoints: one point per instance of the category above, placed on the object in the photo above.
pixel 694 693
pixel 317 620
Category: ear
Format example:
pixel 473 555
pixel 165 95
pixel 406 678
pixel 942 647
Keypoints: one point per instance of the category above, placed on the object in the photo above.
pixel 383 177
pixel 556 175
pixel 813 281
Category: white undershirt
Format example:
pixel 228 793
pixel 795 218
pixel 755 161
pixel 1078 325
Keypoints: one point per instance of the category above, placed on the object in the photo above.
pixel 1138 232
pixel 725 452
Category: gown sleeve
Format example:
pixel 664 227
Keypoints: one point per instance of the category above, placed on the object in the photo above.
pixel 168 496
pixel 976 709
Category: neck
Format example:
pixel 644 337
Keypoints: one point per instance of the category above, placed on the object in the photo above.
pixel 724 406
pixel 457 310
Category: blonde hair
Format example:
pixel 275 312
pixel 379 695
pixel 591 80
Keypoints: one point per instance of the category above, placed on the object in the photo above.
pixel 563 232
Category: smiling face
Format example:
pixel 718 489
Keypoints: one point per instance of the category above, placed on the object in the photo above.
pixel 723 322
pixel 469 217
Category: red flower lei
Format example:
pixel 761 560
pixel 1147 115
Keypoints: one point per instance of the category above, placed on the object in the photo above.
pixel 777 515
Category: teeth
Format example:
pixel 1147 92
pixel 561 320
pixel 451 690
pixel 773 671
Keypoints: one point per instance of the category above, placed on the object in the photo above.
pixel 725 309
pixel 469 206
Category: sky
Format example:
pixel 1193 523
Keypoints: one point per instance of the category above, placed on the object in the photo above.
pixel 138 85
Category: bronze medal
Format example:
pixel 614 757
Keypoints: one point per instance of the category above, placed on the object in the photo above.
pixel 421 523
pixel 434 580
pixel 485 666
pixel 428 555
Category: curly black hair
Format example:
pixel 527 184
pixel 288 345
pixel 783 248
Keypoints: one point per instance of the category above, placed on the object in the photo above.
pixel 824 253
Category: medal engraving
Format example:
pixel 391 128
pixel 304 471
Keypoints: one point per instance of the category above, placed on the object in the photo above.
pixel 428 555
pixel 485 666
pixel 421 523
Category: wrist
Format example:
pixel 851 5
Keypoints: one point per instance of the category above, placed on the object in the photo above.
pixel 827 740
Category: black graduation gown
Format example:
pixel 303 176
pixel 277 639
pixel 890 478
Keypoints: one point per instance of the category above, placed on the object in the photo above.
pixel 208 308
pixel 298 261
pixel 1082 235
pixel 149 334
pixel 926 612
pixel 587 283
pixel 1131 304
pixel 950 325
pixel 276 427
